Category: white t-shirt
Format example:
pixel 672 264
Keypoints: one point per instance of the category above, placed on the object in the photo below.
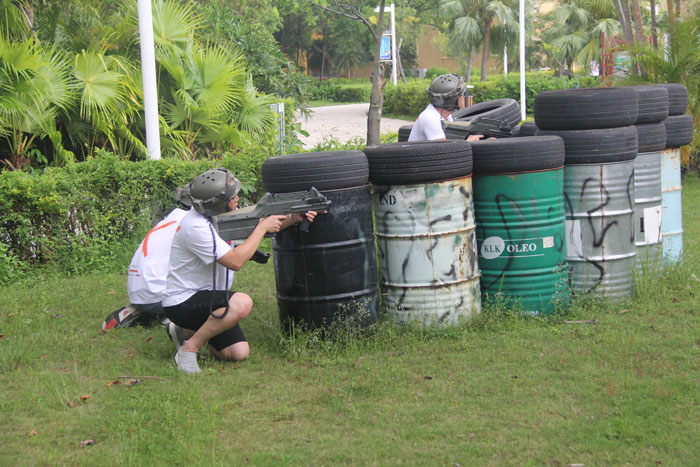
pixel 191 258
pixel 148 271
pixel 428 125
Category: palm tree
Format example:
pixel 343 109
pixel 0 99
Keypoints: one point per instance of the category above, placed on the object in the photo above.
pixel 472 20
pixel 34 87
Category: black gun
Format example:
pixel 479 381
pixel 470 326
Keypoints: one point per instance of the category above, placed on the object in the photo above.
pixel 239 224
pixel 489 127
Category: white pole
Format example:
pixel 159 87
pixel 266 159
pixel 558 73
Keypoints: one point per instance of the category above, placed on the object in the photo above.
pixel 523 101
pixel 505 50
pixel 148 69
pixel 394 59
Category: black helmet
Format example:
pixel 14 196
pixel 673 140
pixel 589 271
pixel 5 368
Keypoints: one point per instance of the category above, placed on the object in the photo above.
pixel 182 196
pixel 445 90
pixel 211 191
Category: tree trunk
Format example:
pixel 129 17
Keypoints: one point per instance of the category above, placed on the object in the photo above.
pixel 637 16
pixel 654 39
pixel 375 101
pixel 671 16
pixel 398 62
pixel 485 54
pixel 623 15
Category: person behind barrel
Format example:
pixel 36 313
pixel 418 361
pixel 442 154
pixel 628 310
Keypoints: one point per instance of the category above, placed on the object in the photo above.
pixel 197 296
pixel 446 93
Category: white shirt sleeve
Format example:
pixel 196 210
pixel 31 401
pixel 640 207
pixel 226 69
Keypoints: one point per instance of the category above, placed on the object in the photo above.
pixel 200 243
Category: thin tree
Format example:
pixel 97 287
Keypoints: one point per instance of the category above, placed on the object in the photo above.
pixel 352 10
pixel 486 13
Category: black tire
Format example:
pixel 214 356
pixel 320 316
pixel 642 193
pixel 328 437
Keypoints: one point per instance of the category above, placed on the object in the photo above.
pixel 528 129
pixel 418 162
pixel 597 146
pixel 404 133
pixel 677 98
pixel 651 137
pixel 586 108
pixel 514 155
pixel 328 170
pixel 516 130
pixel 679 130
pixel 653 104
pixel 497 109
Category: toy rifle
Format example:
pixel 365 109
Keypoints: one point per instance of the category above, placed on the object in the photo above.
pixel 489 127
pixel 239 224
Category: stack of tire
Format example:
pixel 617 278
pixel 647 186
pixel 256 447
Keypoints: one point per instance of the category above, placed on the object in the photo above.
pixel 601 144
pixel 507 110
pixel 327 275
pixel 679 132
pixel 519 205
pixel 651 140
pixel 425 230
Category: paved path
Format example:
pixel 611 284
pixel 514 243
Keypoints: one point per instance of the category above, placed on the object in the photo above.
pixel 342 122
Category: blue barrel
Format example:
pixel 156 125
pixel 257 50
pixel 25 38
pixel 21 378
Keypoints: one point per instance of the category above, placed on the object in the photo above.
pixel 671 206
pixel 329 274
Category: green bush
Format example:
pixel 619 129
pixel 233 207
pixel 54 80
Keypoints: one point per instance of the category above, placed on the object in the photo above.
pixel 406 99
pixel 411 99
pixel 353 94
pixel 435 71
pixel 324 91
pixel 80 217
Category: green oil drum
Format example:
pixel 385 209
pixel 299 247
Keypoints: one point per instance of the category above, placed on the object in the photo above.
pixel 520 221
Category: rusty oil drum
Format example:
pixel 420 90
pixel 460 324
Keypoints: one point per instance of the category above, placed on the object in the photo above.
pixel 427 251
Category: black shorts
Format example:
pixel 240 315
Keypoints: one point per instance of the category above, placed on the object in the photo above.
pixel 194 312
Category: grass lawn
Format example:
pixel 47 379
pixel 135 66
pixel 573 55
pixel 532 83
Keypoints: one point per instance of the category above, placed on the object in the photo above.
pixel 503 389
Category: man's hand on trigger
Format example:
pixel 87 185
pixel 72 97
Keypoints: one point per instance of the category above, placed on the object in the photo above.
pixel 310 216
pixel 272 224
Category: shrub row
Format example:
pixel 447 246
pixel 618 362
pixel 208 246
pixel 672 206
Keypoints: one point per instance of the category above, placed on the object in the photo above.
pixel 411 99
pixel 75 218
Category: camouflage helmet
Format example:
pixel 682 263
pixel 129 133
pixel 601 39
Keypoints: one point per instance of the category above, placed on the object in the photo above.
pixel 211 191
pixel 445 90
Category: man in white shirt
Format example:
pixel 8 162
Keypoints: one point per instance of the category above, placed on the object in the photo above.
pixel 196 297
pixel 148 270
pixel 446 93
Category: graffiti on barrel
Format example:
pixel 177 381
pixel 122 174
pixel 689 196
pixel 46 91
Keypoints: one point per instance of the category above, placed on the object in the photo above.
pixel 427 251
pixel 600 227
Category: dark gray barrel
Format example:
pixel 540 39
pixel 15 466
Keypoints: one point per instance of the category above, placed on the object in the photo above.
pixel 329 274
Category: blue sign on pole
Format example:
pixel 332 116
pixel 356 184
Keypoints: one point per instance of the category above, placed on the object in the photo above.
pixel 385 48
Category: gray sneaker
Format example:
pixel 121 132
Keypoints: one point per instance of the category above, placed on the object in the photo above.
pixel 175 334
pixel 187 361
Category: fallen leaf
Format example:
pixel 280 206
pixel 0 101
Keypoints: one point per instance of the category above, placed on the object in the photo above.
pixel 32 433
pixel 116 381
pixel 84 397
pixel 72 404
pixel 2 336
pixel 87 442
pixel 45 356
pixel 57 315
pixel 514 376
pixel 148 339
pixel 132 381
pixel 13 314
pixel 111 292
pixel 622 312
pixel 427 377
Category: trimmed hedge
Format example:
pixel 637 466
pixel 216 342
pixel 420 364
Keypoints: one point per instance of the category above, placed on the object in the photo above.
pixel 79 217
pixel 353 94
pixel 411 99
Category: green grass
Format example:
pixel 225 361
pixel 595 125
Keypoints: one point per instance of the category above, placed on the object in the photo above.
pixel 503 389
